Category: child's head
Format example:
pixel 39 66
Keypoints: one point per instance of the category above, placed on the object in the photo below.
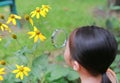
pixel 92 47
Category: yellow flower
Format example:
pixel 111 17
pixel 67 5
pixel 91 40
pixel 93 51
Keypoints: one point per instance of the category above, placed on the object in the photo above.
pixel 37 35
pixel 28 18
pixel 21 71
pixel 45 8
pixel 4 27
pixel 2 17
pixel 2 71
pixel 37 12
pixel 2 62
pixel 0 38
pixel 12 18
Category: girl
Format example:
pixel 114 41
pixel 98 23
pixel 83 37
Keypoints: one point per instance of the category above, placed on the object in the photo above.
pixel 90 50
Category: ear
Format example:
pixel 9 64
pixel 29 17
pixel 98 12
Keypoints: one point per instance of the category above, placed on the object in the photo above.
pixel 76 65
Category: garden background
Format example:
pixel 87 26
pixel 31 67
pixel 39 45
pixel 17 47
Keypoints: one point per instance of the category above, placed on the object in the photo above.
pixel 46 61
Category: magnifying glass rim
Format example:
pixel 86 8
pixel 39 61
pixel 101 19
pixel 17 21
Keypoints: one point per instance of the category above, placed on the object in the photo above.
pixel 53 36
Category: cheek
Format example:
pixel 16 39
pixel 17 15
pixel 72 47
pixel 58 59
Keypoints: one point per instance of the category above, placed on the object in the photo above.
pixel 67 57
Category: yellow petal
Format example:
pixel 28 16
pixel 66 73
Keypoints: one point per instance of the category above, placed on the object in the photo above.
pixel 2 28
pixel 18 74
pixel 21 75
pixel 31 21
pixel 9 20
pixel 35 29
pixel 14 21
pixel 37 15
pixel 5 26
pixel 37 8
pixel 36 38
pixel 2 69
pixel 46 8
pixel 21 66
pixel 42 38
pixel 15 71
pixel 17 66
pixel 17 17
pixel 8 29
pixel 1 78
pixel 32 34
pixel 26 74
pixel 2 73
pixel 43 13
pixel 27 69
pixel 0 38
pixel 33 14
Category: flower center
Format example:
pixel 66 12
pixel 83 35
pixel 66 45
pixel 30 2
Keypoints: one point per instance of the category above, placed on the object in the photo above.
pixel 46 7
pixel 12 16
pixel 37 32
pixel 14 36
pixel 27 17
pixel 21 69
pixel 38 10
pixel 2 17
pixel 0 24
pixel 2 62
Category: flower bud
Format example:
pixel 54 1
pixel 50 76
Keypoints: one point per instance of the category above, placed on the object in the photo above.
pixel 2 17
pixel 14 36
pixel 2 62
pixel 27 17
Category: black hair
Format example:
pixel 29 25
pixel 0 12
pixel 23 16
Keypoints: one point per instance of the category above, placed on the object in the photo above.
pixel 94 48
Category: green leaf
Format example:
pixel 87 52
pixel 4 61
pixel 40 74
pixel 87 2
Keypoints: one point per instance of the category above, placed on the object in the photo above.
pixel 113 65
pixel 7 43
pixel 17 59
pixel 117 70
pixel 118 47
pixel 39 66
pixel 118 77
pixel 37 72
pixel 23 51
pixel 109 24
pixel 35 45
pixel 12 60
pixel 115 7
pixel 61 80
pixel 30 79
pixel 23 59
pixel 9 78
pixel 60 58
pixel 72 75
pixel 40 60
pixel 57 72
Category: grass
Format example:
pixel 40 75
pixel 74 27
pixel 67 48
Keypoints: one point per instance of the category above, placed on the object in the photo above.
pixel 66 14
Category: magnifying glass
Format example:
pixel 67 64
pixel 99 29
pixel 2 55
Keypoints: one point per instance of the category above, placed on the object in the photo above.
pixel 59 38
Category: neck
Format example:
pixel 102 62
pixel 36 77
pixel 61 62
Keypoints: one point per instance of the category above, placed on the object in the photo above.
pixel 88 78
